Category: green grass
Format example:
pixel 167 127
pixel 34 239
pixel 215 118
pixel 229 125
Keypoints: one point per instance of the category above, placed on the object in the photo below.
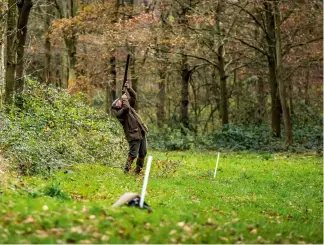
pixel 255 198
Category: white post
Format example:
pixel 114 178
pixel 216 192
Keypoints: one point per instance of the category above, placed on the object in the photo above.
pixel 147 172
pixel 216 165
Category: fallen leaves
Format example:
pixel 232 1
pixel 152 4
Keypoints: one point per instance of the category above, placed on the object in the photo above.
pixel 77 229
pixel 92 217
pixel 172 232
pixel 225 239
pixel 29 220
pixel 235 220
pixel 210 221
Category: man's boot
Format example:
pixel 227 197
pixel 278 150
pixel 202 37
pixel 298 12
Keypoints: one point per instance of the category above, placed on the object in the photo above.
pixel 139 165
pixel 128 164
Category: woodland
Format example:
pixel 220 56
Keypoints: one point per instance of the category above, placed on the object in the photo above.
pixel 203 70
pixel 239 79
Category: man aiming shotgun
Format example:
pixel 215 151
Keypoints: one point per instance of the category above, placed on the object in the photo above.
pixel 134 129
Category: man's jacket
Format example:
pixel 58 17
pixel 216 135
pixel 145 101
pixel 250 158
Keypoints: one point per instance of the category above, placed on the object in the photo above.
pixel 132 123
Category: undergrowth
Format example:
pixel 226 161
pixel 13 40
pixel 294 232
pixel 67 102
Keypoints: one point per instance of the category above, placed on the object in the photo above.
pixel 52 129
pixel 233 138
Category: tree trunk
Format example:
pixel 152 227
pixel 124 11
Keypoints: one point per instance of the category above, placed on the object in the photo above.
pixel 134 78
pixel 238 94
pixel 71 55
pixel 70 43
pixel 290 95
pixel 47 45
pixel 221 64
pixel 185 71
pixel 184 107
pixel 65 70
pixel 275 100
pixel 306 95
pixel 3 25
pixel 111 89
pixel 11 52
pixel 282 89
pixel 23 12
pixel 160 114
pixel 223 87
pixel 261 101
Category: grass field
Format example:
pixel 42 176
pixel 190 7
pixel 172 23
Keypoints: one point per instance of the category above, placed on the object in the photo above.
pixel 255 198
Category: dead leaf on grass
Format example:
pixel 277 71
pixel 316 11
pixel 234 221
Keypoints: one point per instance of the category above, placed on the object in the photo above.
pixel 29 220
pixel 42 233
pixel 210 221
pixel 77 229
pixel 181 224
pixel 92 217
pixel 85 242
pixel 235 220
pixel 225 239
pixel 187 228
pixel 172 232
pixel 147 238
pixel 253 231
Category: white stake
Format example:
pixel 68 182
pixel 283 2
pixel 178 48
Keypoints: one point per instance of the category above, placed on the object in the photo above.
pixel 216 165
pixel 147 172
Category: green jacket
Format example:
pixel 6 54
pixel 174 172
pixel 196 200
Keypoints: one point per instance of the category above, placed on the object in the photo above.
pixel 133 126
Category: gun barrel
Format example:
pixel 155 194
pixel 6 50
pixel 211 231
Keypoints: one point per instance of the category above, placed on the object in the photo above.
pixel 126 70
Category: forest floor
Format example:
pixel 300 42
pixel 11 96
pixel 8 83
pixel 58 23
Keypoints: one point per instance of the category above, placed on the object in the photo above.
pixel 255 198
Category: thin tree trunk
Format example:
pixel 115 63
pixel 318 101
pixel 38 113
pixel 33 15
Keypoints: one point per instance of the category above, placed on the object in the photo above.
pixel 282 90
pixel 3 26
pixel 162 70
pixel 71 43
pixel 221 65
pixel 238 96
pixel 111 89
pixel 306 95
pixel 290 94
pixel 71 52
pixel 261 101
pixel 275 100
pixel 23 10
pixel 261 96
pixel 223 87
pixel 185 72
pixel 134 78
pixel 160 114
pixel 11 52
pixel 47 45
pixel 185 76
pixel 65 70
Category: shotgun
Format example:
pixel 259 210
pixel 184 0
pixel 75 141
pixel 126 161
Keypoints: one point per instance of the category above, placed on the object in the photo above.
pixel 125 75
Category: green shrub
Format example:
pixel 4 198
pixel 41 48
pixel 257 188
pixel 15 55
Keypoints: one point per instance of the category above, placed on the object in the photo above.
pixel 172 139
pixel 54 128
pixel 239 138
pixel 54 190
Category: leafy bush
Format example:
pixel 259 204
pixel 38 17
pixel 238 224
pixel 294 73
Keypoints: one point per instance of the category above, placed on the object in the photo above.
pixel 54 128
pixel 239 138
pixel 172 139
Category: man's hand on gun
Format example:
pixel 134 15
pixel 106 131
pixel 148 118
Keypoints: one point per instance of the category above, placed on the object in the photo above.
pixel 126 85
pixel 124 96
